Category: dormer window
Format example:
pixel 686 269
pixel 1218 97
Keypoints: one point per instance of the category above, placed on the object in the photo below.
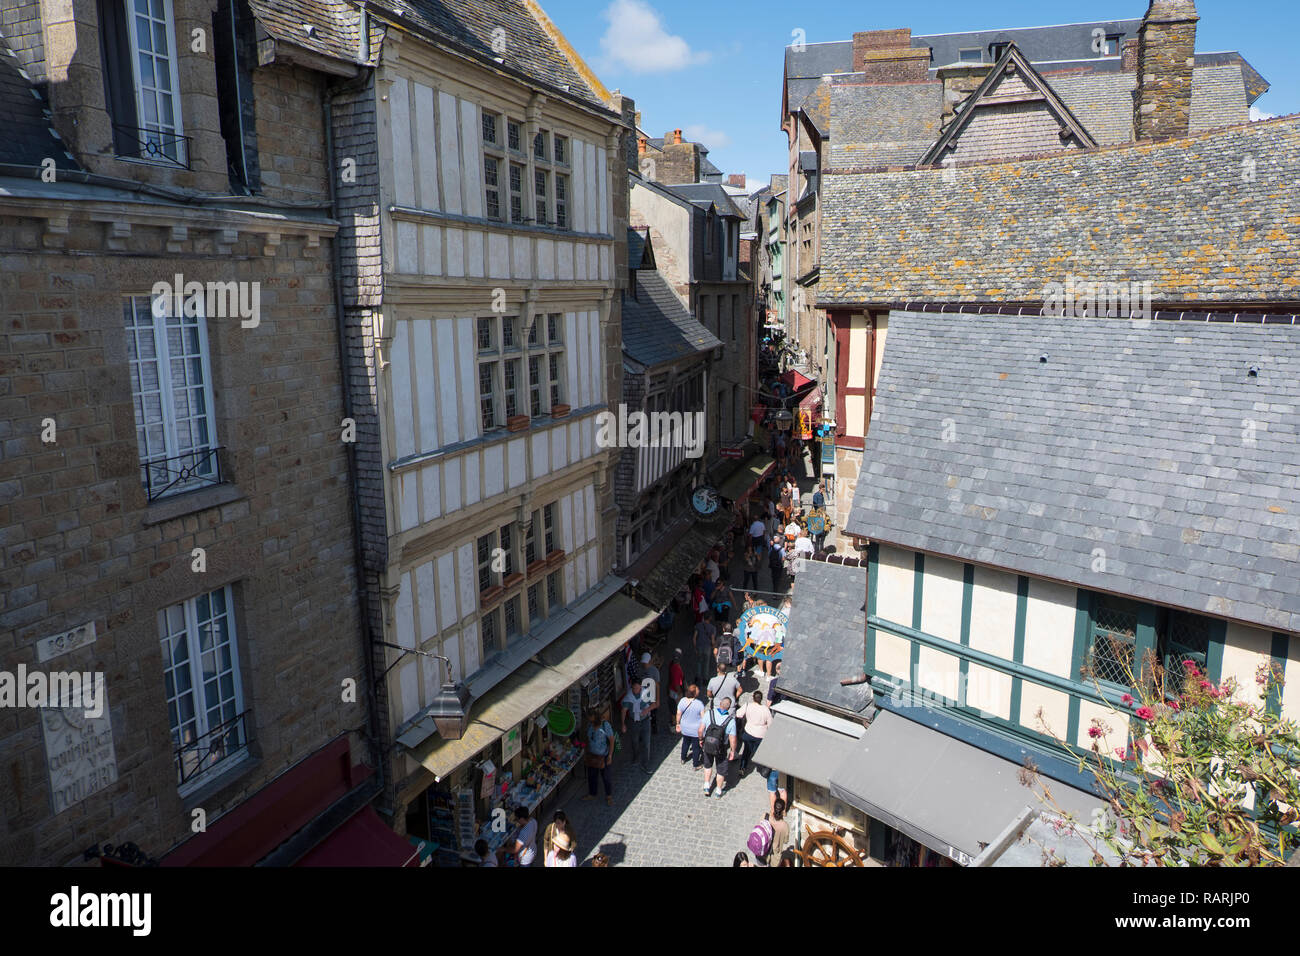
pixel 971 55
pixel 137 41
pixel 997 49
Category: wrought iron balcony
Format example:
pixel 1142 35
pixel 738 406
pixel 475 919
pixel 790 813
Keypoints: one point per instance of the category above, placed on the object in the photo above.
pixel 208 750
pixel 185 472
pixel 152 145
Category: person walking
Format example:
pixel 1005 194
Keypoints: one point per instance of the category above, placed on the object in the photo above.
pixel 757 534
pixel 770 837
pixel 786 502
pixel 722 600
pixel 639 711
pixel 600 751
pixel 776 562
pixel 562 853
pixel 757 719
pixel 817 526
pixel 652 687
pixel 690 711
pixel 705 632
pixel 523 848
pixel 676 679
pixel 718 741
pixel 558 827
pixel 725 684
pixel 751 569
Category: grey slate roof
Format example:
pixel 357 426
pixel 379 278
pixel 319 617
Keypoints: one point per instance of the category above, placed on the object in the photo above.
pixel 657 328
pixel 29 137
pixel 883 124
pixel 1128 439
pixel 1180 213
pixel 825 635
pixel 635 248
pixel 468 24
pixel 336 25
pixel 702 194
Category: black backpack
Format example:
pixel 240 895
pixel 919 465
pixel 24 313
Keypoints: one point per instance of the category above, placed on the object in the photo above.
pixel 775 560
pixel 715 736
pixel 725 651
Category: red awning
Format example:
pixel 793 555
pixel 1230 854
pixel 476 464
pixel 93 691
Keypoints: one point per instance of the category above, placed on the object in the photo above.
pixel 364 840
pixel 796 380
pixel 812 399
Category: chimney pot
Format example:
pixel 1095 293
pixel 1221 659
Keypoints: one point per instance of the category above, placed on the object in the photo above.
pixel 677 137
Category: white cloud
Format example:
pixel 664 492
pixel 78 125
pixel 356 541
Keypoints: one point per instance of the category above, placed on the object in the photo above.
pixel 710 138
pixel 637 41
pixel 1257 114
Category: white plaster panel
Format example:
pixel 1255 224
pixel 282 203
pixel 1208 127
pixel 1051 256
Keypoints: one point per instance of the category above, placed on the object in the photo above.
pixel 470 644
pixel 589 494
pixel 559 449
pixel 408 248
pixel 498 264
pixel 455 252
pixel 447 612
pixel 403 620
pixel 425 383
pixel 449 154
pixel 431 249
pixel 604 263
pixel 431 487
pixel 566 524
pixel 409 513
pixel 400 366
pixel 425 136
pixel 399 111
pixel 545 258
pixel 521 256
pixel 896 573
pixel 602 194
pixel 472 480
pixel 518 458
pixel 466 578
pixel 564 260
pixel 941 599
pixel 426 602
pixel 1049 628
pixel 448 426
pixel 541 456
pixel 409 681
pixel 470 130
pixel 469 418
pixel 474 262
pixel 494 467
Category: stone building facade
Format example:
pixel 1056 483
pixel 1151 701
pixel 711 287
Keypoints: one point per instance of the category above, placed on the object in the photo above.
pixel 175 511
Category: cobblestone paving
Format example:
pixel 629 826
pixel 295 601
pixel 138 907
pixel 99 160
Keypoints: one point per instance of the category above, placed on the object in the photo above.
pixel 664 819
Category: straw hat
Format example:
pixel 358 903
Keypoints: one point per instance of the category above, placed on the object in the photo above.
pixel 563 841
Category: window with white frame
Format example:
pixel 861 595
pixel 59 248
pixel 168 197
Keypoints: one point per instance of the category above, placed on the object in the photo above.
pixel 205 703
pixel 139 64
pixel 515 368
pixel 516 192
pixel 541 196
pixel 171 393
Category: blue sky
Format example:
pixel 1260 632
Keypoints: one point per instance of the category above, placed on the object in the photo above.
pixel 714 69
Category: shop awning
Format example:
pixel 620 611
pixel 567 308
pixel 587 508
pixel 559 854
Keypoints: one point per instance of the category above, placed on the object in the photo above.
pixel 940 791
pixel 742 481
pixel 812 399
pixel 364 840
pixel 796 380
pixel 807 744
pixel 534 684
pixel 658 586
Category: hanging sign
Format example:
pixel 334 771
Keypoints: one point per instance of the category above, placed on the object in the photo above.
pixel 762 629
pixel 511 744
pixel 705 501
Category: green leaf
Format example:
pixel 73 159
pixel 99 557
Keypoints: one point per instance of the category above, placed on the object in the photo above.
pixel 1211 844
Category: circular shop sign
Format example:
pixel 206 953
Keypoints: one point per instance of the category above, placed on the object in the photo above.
pixel 763 624
pixel 705 501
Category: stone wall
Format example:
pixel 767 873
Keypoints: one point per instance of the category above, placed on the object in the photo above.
pixel 82 544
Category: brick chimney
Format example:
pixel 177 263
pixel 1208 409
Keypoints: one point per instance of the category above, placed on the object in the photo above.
pixel 736 179
pixel 1162 101
pixel 887 56
pixel 959 81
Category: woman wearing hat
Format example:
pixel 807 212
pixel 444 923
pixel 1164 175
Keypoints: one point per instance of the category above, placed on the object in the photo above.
pixel 561 853
pixel 558 833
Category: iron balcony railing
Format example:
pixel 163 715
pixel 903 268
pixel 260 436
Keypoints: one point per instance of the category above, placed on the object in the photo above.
pixel 153 145
pixel 204 752
pixel 184 472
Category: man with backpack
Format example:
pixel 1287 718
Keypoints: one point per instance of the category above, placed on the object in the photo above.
pixel 817 524
pixel 718 740
pixel 724 685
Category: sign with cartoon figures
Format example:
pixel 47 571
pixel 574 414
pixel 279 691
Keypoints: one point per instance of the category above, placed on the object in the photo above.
pixel 762 632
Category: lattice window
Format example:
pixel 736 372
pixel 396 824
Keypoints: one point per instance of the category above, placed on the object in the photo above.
pixel 1185 637
pixel 1114 641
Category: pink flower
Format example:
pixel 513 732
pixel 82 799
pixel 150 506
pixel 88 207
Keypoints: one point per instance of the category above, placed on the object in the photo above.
pixel 1126 699
pixel 1144 713
pixel 1205 685
pixel 1094 732
pixel 1190 666
pixel 1173 705
pixel 1121 753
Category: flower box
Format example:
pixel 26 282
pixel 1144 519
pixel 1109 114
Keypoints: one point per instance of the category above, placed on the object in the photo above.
pixel 518 423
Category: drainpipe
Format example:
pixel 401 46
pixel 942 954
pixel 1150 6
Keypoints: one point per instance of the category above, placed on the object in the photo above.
pixel 345 367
